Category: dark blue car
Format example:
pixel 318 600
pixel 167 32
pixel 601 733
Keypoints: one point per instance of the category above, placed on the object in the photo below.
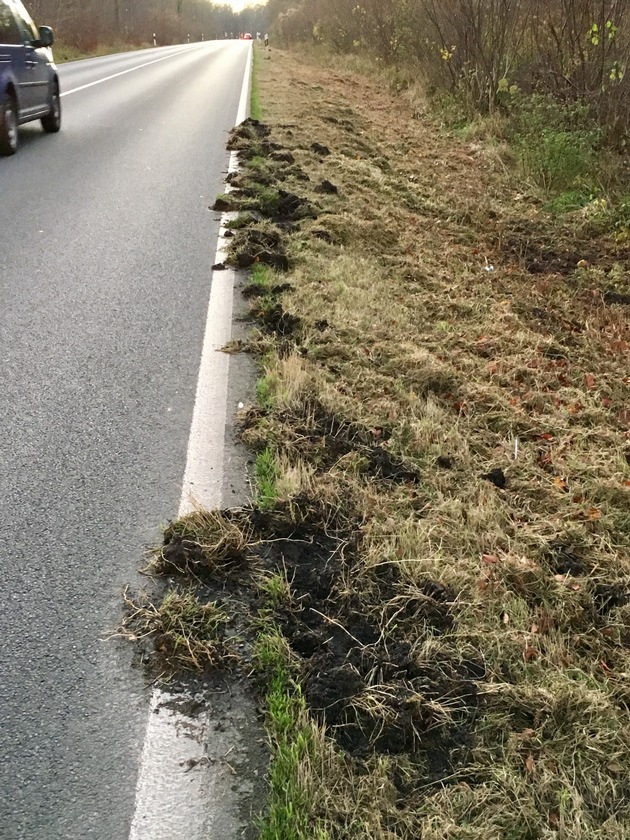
pixel 29 84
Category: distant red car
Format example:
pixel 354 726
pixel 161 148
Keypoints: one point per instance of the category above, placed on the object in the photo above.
pixel 247 36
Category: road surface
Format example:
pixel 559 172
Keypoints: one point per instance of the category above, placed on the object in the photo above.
pixel 106 244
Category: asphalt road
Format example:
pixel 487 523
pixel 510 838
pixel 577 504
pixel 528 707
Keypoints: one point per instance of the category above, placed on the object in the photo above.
pixel 106 245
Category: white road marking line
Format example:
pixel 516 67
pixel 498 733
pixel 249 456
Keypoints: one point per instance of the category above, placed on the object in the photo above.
pixel 243 105
pixel 129 70
pixel 174 802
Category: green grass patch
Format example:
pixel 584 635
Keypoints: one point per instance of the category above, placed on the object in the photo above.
pixel 257 163
pixel 187 633
pixel 568 202
pixel 256 109
pixel 243 220
pixel 262 276
pixel 276 590
pixel 264 392
pixel 289 812
pixel 266 478
pixel 64 52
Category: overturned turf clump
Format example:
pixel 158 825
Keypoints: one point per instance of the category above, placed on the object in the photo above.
pixel 178 631
pixel 268 209
pixel 259 244
pixel 202 544
pixel 390 664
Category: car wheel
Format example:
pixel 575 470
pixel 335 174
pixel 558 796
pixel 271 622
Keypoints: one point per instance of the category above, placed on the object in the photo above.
pixel 51 123
pixel 8 125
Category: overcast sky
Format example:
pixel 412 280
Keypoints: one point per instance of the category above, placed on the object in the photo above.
pixel 237 5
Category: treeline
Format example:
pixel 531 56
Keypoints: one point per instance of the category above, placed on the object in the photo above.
pixel 87 23
pixel 485 50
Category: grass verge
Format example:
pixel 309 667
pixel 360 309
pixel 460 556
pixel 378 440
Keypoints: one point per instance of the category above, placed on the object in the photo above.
pixel 452 358
pixel 436 589
pixel 256 110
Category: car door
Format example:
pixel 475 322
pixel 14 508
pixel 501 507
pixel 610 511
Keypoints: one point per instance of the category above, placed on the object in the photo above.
pixel 35 84
pixel 12 52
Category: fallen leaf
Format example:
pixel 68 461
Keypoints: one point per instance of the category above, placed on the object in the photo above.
pixel 505 618
pixel 546 436
pixel 533 628
pixel 489 559
pixel 615 767
pixel 589 381
pixel 575 408
pixel 593 514
pixel 554 821
pixel 560 483
pixel 530 653
pixel 529 763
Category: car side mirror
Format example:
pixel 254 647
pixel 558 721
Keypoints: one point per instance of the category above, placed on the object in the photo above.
pixel 46 37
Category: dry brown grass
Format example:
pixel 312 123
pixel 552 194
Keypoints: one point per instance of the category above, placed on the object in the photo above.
pixel 184 633
pixel 445 321
pixel 433 590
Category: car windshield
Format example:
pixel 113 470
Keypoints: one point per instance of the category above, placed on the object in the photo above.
pixel 27 27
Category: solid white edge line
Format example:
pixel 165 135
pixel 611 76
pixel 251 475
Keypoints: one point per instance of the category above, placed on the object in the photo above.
pixel 173 803
pixel 243 104
pixel 129 70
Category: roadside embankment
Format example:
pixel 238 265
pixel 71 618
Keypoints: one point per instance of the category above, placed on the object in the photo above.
pixel 431 588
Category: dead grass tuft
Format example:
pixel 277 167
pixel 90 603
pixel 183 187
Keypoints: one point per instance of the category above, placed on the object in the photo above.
pixel 204 543
pixel 185 633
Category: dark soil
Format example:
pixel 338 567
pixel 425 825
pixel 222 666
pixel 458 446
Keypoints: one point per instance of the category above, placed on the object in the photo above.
pixel 225 205
pixel 320 149
pixel 367 685
pixel 327 438
pixel 566 560
pixel 327 187
pixel 496 477
pixel 277 320
pixel 546 248
pixel 254 244
pixel 612 297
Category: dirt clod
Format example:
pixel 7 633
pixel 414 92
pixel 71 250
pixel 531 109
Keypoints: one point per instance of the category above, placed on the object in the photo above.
pixel 255 244
pixel 278 320
pixel 496 477
pixel 327 187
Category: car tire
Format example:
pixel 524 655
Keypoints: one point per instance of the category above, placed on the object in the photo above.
pixel 51 123
pixel 8 124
